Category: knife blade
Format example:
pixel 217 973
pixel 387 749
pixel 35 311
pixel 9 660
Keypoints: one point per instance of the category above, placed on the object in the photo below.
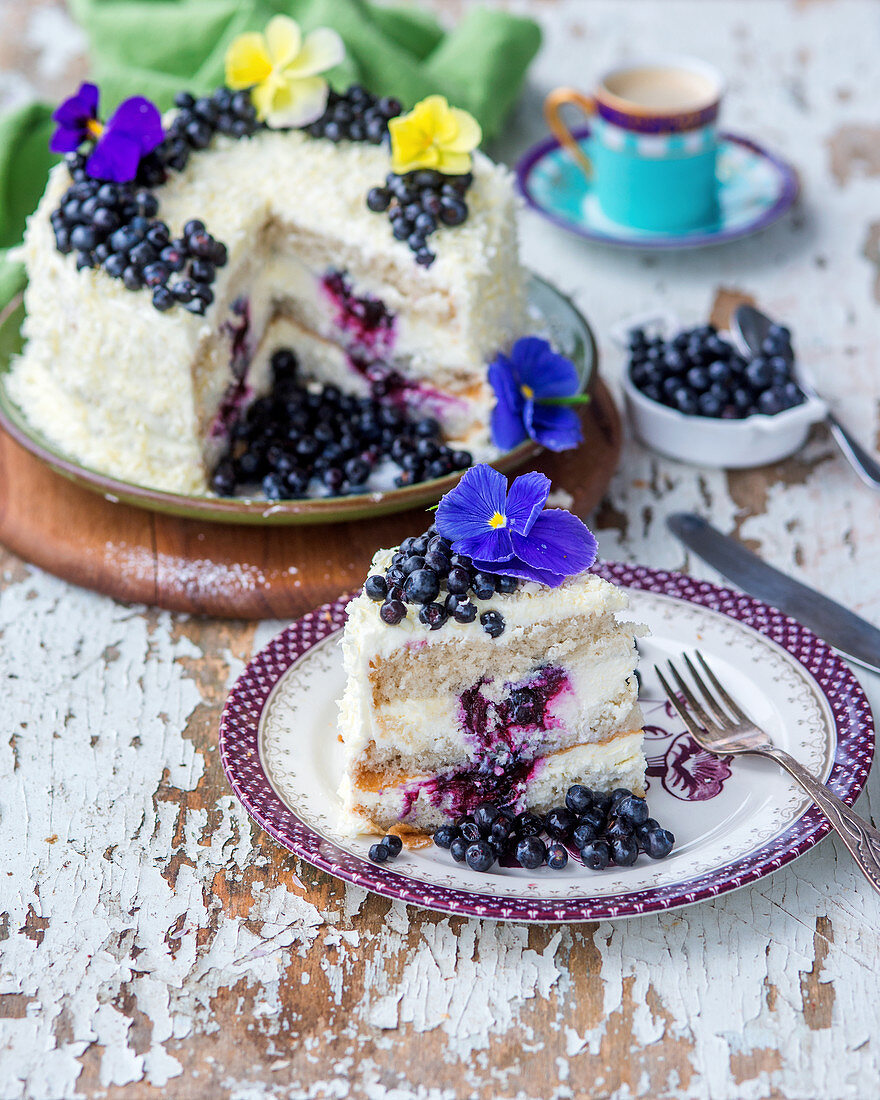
pixel 853 636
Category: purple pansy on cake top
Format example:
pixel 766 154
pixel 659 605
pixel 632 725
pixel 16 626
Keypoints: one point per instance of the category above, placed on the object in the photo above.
pixel 509 532
pixel 533 387
pixel 132 131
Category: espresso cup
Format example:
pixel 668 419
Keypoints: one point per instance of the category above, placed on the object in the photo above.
pixel 653 142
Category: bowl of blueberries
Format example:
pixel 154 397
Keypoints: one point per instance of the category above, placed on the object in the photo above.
pixel 698 397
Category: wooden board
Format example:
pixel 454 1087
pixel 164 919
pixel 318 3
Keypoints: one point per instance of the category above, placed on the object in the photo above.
pixel 226 570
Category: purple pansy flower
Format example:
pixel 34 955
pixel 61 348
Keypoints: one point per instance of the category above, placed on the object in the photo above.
pixel 509 532
pixel 532 386
pixel 133 130
pixel 77 119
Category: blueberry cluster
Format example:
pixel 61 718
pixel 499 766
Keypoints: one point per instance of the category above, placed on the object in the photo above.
pixel 389 847
pixel 113 226
pixel 418 203
pixel 422 570
pixel 355 115
pixel 699 373
pixel 199 119
pixel 604 828
pixel 297 438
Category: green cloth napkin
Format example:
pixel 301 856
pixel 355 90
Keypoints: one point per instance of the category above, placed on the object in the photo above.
pixel 156 48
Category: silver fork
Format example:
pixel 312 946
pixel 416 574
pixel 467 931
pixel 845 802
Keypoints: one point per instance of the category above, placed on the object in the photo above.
pixel 720 726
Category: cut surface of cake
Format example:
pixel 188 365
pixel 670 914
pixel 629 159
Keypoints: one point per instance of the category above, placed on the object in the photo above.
pixel 146 384
pixel 491 688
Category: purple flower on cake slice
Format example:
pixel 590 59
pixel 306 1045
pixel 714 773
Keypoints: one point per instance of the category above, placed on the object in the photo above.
pixel 510 532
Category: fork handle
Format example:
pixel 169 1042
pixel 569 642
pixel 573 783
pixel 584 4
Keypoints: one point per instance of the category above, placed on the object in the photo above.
pixel 862 839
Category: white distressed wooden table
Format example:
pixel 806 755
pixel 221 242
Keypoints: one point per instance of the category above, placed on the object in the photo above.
pixel 154 944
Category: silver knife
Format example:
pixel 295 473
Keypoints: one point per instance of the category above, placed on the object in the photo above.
pixel 854 637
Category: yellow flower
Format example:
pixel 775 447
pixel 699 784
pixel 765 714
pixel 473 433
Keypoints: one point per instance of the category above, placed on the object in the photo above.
pixel 434 135
pixel 281 68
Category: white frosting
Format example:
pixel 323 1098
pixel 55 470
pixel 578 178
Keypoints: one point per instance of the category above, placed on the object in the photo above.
pixel 129 390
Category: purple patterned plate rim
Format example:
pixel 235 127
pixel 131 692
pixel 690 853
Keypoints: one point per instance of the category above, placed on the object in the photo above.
pixel 666 242
pixel 833 680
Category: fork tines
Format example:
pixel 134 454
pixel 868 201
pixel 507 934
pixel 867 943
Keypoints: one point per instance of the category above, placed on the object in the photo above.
pixel 712 719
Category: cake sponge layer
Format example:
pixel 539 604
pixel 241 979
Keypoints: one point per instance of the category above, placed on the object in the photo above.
pixel 424 802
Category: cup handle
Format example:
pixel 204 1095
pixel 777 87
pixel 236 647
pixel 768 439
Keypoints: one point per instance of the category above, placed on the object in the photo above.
pixel 553 105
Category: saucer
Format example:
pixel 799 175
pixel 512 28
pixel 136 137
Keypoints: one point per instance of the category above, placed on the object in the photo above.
pixel 755 189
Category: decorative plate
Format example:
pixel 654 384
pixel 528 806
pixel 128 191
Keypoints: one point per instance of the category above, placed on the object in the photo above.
pixel 553 314
pixel 755 190
pixel 734 821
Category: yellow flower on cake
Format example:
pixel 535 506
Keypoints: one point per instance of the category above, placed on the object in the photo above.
pixel 434 135
pixel 281 67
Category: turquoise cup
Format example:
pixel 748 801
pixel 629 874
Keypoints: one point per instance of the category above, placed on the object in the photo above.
pixel 652 148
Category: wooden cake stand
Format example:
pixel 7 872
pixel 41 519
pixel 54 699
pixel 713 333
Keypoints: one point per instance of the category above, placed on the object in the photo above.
pixel 228 570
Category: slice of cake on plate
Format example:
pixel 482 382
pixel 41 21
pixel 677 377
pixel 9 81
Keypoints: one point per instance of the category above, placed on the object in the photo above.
pixel 484 663
pixel 159 286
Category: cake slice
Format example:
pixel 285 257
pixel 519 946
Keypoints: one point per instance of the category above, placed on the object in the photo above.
pixel 471 686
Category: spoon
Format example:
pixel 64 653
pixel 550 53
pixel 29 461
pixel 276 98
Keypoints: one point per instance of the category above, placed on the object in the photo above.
pixel 752 328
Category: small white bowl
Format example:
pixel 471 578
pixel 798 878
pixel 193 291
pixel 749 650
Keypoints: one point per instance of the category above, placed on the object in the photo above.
pixel 710 441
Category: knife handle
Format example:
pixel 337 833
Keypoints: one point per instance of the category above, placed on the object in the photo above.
pixel 862 839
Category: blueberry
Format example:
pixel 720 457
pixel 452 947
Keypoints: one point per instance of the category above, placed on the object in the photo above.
pixel 378 199
pixel 633 809
pixel 143 254
pixel 584 833
pixel 622 792
pixel 392 612
pixel 483 585
pixel 458 581
pixel 624 850
pixel 115 264
pixel 758 373
pixel 770 402
pixel 493 623
pixel 484 815
pixel 421 586
pixel 531 853
pixel 709 405
pixel 156 274
pixel 470 830
pixel 698 379
pixel 527 824
pixel 452 211
pixel 132 277
pixel 465 612
pixel 163 299
pixel 379 853
pixel 376 587
pixel 393 843
pixel 741 399
pixel 439 562
pixel 602 801
pixel 559 823
pixel 444 836
pixel 594 817
pixel 500 831
pixel 433 615
pixel 683 399
pixel 480 856
pixel 202 271
pixel 557 856
pixel 618 826
pixel 674 361
pixel 357 471
pixel 458 849
pixel 596 855
pixel 507 585
pixel 578 799
pixel 658 843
